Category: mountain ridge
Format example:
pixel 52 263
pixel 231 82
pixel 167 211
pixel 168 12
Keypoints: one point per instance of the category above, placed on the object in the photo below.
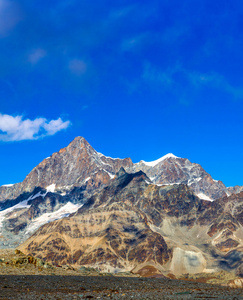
pixel 76 164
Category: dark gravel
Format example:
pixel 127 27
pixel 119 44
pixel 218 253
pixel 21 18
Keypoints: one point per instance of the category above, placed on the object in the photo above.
pixel 109 287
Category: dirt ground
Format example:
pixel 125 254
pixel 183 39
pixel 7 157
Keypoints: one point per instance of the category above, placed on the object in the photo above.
pixel 108 287
pixel 26 277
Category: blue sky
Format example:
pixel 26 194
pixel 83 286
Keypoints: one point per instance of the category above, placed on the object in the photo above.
pixel 135 78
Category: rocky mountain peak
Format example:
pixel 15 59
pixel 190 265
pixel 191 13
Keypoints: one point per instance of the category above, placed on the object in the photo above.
pixel 170 169
pixel 79 164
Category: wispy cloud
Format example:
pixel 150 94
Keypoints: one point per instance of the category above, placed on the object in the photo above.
pixel 85 107
pixel 77 67
pixel 10 15
pixel 217 81
pixel 122 12
pixel 163 77
pixel 36 55
pixel 15 128
pixel 168 78
pixel 134 42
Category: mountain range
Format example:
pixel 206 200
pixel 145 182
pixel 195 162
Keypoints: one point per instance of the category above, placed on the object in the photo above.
pixel 81 207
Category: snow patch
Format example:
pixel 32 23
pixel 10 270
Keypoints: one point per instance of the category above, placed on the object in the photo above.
pixel 111 175
pixel 155 162
pixel 63 212
pixel 24 204
pixel 51 188
pixel 8 185
pixel 228 193
pixel 87 179
pixel 20 205
pixel 100 154
pixel 104 163
pixel 172 183
pixel 202 196
pixel 65 187
pixel 35 196
pixel 194 180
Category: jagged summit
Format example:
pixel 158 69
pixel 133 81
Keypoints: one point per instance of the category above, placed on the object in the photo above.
pixel 79 164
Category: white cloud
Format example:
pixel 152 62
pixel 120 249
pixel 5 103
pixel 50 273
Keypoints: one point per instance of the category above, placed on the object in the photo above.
pixel 10 15
pixel 36 55
pixel 55 125
pixel 14 128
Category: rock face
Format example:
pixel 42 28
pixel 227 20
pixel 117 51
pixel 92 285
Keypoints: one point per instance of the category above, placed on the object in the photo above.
pixel 115 215
pixel 132 224
pixel 235 189
pixel 107 232
pixel 70 175
pixel 174 170
pixel 74 165
pixel 79 165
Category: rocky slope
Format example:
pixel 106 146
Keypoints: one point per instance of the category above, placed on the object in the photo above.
pixel 133 223
pixel 104 232
pixel 175 170
pixel 235 189
pixel 53 189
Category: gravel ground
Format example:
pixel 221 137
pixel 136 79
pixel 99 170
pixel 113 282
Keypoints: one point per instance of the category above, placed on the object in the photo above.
pixel 109 287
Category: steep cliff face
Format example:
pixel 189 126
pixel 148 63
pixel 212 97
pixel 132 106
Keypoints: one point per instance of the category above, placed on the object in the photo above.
pixel 73 164
pixel 133 223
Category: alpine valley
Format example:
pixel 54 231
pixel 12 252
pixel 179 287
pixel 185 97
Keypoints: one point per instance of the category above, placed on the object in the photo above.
pixel 82 208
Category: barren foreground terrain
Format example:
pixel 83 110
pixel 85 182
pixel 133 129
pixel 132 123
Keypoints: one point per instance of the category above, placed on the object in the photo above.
pixel 108 287
pixel 27 277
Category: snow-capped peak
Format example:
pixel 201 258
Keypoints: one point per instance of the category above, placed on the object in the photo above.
pixel 155 162
pixel 100 155
pixel 8 185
